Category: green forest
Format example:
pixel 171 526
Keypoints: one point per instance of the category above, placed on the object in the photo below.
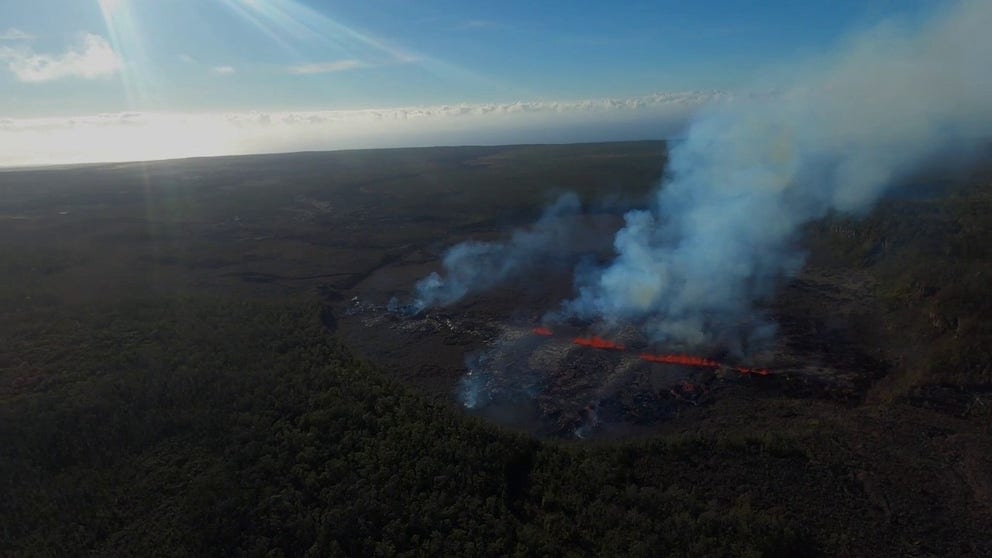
pixel 222 427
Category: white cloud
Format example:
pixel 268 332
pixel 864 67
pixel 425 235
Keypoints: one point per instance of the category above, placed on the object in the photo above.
pixel 143 136
pixel 187 58
pixel 223 70
pixel 327 67
pixel 14 34
pixel 92 57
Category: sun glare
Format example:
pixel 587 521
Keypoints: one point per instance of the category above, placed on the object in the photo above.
pixel 292 25
pixel 109 5
pixel 127 40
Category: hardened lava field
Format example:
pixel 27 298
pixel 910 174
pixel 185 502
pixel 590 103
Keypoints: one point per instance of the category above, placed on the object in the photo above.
pixel 567 380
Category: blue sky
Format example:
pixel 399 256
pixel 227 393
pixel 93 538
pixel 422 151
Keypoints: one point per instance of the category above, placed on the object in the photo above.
pixel 66 58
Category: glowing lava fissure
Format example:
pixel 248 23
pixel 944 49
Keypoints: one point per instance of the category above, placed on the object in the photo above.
pixel 684 360
pixel 598 343
pixel 601 344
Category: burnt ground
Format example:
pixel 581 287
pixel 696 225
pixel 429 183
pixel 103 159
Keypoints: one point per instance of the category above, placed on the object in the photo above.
pixel 880 366
pixel 482 353
pixel 920 455
pixel 838 366
pixel 840 334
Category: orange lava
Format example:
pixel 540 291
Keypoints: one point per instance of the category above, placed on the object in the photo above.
pixel 684 360
pixel 601 344
pixel 598 343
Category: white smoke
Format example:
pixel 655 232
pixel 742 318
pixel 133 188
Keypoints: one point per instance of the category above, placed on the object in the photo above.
pixel 721 233
pixel 475 266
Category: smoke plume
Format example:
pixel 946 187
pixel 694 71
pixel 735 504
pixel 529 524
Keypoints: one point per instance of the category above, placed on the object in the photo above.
pixel 721 232
pixel 471 267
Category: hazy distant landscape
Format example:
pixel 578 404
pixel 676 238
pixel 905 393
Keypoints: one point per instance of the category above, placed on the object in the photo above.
pixel 197 361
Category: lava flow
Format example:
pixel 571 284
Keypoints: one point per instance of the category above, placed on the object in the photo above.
pixel 601 344
pixel 756 371
pixel 683 360
pixel 698 362
pixel 598 343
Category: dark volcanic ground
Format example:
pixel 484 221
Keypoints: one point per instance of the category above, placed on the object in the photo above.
pixel 483 354
pixel 881 365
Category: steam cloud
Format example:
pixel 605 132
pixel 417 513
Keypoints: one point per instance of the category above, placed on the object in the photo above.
pixel 720 234
pixel 475 266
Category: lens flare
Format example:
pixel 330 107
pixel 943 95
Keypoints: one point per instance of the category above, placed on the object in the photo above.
pixel 292 25
pixel 127 40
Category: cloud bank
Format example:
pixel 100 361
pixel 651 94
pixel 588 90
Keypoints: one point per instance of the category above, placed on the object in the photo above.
pixel 91 58
pixel 142 136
